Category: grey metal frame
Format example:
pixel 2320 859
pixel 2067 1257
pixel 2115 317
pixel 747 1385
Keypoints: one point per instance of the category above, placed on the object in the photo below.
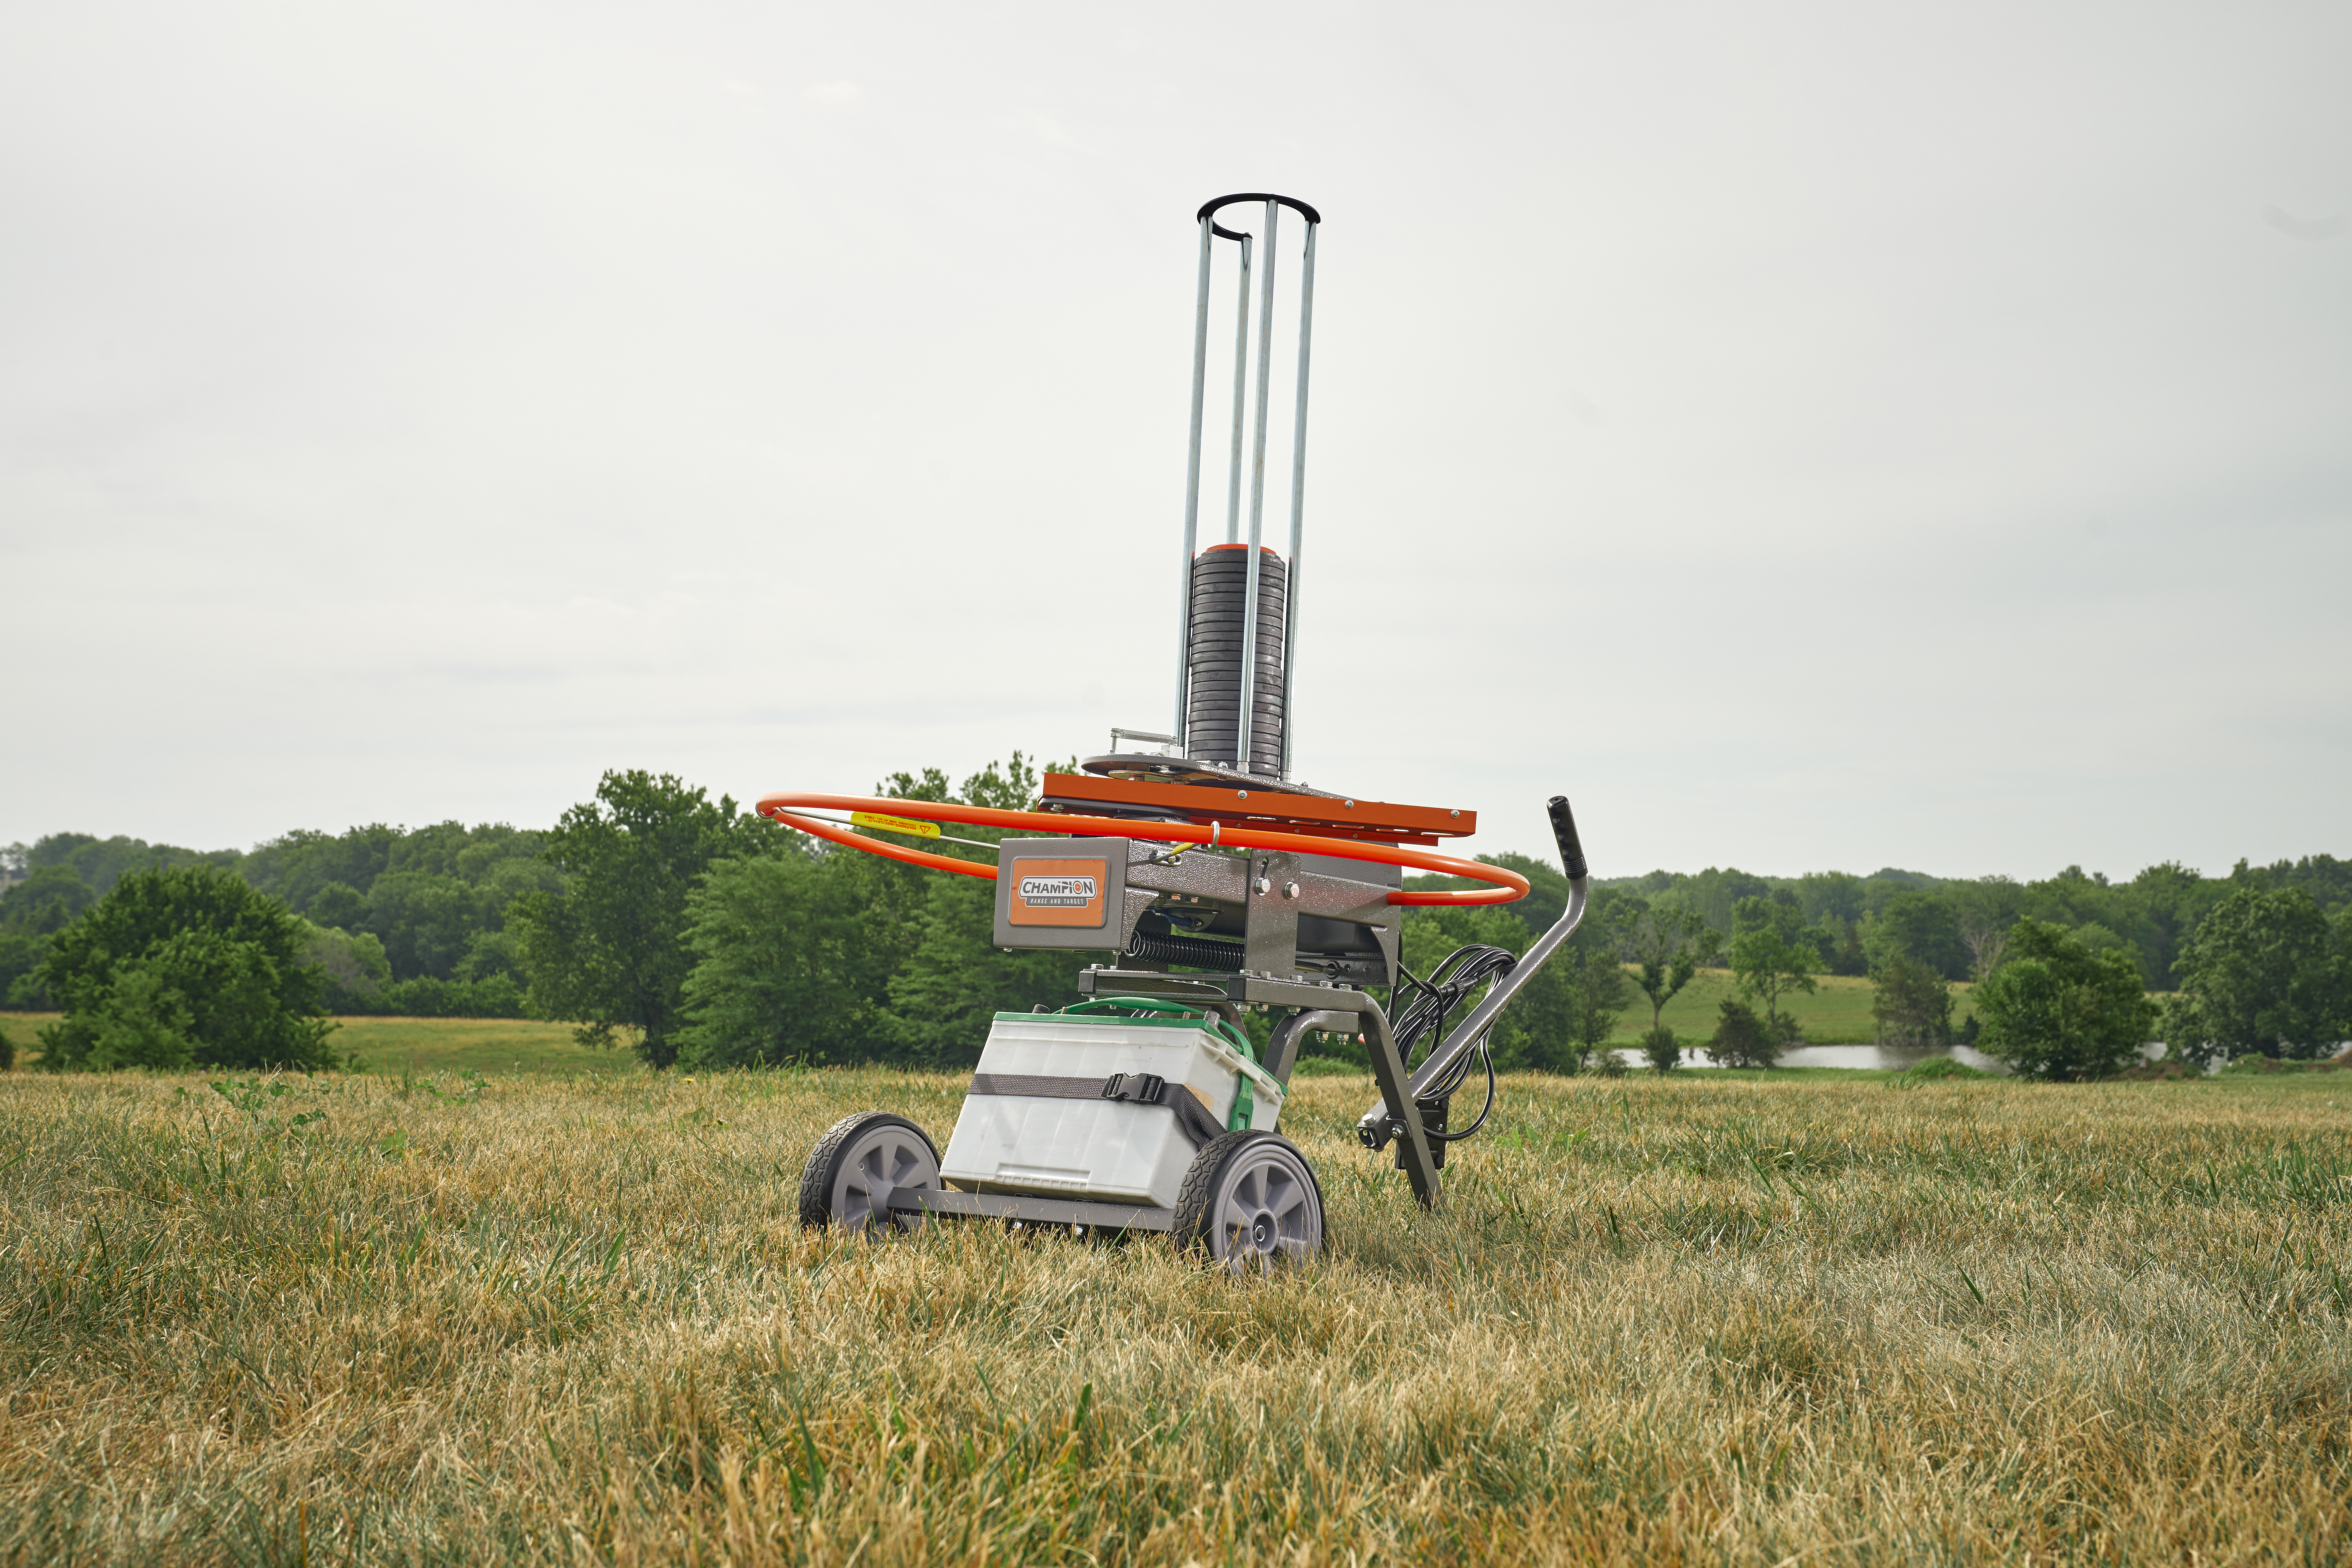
pixel 1245 735
pixel 1028 1210
pixel 1211 230
pixel 1297 496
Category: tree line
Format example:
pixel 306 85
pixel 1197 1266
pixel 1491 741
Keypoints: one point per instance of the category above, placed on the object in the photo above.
pixel 698 933
pixel 404 921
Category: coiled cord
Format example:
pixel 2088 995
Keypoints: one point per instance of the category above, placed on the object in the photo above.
pixel 1463 971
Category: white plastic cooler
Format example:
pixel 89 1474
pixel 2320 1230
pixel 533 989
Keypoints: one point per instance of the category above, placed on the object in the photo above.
pixel 1067 1104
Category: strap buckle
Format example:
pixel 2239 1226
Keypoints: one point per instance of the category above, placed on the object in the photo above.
pixel 1142 1088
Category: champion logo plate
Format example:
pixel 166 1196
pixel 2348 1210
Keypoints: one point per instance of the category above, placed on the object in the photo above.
pixel 1059 892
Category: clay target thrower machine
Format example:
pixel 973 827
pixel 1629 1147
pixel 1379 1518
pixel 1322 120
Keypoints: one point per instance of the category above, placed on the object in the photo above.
pixel 1209 883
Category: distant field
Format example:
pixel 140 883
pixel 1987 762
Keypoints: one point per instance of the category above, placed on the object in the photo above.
pixel 473 1045
pixel 1838 1013
pixel 430 1045
pixel 20 1028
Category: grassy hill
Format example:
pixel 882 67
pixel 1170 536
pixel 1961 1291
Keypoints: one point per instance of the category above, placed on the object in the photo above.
pixel 1838 1013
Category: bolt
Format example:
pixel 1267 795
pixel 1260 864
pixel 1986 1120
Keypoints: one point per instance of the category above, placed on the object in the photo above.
pixel 1240 795
pixel 1265 884
pixel 1350 805
pixel 1290 890
pixel 1458 811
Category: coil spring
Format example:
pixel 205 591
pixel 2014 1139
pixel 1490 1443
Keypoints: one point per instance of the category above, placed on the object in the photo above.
pixel 1187 949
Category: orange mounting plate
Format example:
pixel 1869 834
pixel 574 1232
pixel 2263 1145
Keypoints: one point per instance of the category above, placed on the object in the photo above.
pixel 1502 883
pixel 1326 817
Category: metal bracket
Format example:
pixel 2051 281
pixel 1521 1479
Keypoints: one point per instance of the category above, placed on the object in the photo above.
pixel 1027 1210
pixel 1282 1051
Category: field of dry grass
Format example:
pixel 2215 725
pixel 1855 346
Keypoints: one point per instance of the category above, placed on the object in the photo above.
pixel 534 1319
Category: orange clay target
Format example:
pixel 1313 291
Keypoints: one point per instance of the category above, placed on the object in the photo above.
pixel 1505 885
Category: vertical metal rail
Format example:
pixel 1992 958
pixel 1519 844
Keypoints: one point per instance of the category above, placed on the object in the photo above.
pixel 1243 739
pixel 1252 583
pixel 1241 399
pixel 1192 487
pixel 1298 494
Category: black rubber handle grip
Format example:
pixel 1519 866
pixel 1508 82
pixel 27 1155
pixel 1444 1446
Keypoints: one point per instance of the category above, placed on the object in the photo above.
pixel 1563 829
pixel 1209 208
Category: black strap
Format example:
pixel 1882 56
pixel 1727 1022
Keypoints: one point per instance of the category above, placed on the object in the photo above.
pixel 1134 1087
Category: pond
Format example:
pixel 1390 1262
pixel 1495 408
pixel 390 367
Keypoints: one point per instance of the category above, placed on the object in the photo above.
pixel 1893 1059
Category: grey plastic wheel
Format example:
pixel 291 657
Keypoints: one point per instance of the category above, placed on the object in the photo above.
pixel 1251 1200
pixel 855 1167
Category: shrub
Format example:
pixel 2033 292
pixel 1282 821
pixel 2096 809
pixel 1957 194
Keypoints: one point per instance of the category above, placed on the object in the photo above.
pixel 187 967
pixel 1741 1039
pixel 2055 1009
pixel 499 997
pixel 1935 1067
pixel 1663 1049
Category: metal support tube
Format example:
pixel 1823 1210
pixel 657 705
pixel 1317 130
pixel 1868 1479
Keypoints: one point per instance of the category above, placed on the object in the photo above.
pixel 1282 1050
pixel 1244 738
pixel 1297 496
pixel 1397 1102
pixel 1192 487
pixel 1241 399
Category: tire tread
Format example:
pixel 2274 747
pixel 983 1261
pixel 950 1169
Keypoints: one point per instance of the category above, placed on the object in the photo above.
pixel 817 1176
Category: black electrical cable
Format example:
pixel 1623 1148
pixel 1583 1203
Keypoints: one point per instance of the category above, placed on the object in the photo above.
pixel 1463 971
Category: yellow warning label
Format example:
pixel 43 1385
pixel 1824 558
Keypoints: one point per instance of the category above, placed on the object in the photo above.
pixel 895 824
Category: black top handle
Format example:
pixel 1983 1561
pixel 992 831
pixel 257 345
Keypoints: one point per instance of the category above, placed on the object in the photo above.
pixel 1209 208
pixel 1563 830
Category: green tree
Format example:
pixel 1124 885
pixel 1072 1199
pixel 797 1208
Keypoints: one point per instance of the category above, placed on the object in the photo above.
pixel 1912 1003
pixel 608 949
pixel 1741 1039
pixel 1565 1013
pixel 1773 953
pixel 351 965
pixel 2055 1009
pixel 1664 1048
pixel 953 982
pixel 1920 925
pixel 185 967
pixel 425 921
pixel 48 901
pixel 1668 943
pixel 1547 898
pixel 794 953
pixel 1834 898
pixel 338 905
pixel 2266 973
pixel 1983 911
pixel 1579 1004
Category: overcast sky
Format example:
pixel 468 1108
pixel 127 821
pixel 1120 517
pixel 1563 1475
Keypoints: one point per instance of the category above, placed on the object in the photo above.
pixel 1806 436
